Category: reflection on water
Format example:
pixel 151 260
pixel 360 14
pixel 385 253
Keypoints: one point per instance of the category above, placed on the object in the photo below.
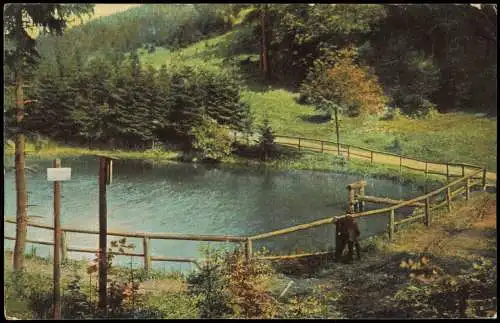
pixel 196 199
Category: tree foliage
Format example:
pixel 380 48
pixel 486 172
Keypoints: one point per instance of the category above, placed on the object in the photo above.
pixel 338 79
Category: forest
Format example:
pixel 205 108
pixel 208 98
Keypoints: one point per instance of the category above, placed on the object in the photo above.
pixel 90 87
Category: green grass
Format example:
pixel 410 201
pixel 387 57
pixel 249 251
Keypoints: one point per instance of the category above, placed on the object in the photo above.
pixel 453 137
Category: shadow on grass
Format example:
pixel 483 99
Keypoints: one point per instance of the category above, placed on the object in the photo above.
pixel 317 119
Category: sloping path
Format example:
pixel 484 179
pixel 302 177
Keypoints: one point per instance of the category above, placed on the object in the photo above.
pixel 377 157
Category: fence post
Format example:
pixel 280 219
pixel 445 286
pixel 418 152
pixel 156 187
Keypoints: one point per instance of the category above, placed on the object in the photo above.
pixel 57 245
pixel 484 179
pixel 467 189
pixel 299 143
pixel 248 249
pixel 400 163
pixel 447 173
pixel 361 203
pixel 348 152
pixel 426 167
pixel 391 225
pixel 321 146
pixel 64 247
pixel 463 171
pixel 146 244
pixel 371 157
pixel 427 211
pixel 448 198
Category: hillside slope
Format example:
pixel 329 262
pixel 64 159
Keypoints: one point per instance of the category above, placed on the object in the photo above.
pixel 445 137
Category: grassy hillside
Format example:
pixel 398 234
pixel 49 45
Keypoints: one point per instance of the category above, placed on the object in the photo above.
pixel 454 137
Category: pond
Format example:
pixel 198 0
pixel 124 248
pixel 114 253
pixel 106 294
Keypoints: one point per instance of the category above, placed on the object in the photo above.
pixel 195 199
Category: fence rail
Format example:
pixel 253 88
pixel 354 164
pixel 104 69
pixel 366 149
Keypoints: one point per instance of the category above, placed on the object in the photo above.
pixel 428 167
pixel 424 204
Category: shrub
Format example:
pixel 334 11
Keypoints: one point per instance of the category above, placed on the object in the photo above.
pixel 247 282
pixel 266 142
pixel 432 293
pixel 211 140
pixel 209 286
pixel 418 107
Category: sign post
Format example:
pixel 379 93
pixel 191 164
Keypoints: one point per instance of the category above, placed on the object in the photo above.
pixel 56 175
pixel 105 178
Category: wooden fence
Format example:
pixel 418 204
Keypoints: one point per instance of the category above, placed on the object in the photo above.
pixel 450 191
pixel 447 169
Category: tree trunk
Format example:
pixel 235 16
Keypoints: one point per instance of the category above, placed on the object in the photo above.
pixel 21 197
pixel 264 41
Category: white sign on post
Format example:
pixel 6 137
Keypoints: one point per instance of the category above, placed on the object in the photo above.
pixel 58 174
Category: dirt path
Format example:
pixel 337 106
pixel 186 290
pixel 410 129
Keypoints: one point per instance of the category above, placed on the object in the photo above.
pixel 316 146
pixel 453 242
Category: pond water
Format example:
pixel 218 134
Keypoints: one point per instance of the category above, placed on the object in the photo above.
pixel 195 199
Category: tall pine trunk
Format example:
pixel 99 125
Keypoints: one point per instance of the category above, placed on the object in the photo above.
pixel 22 196
pixel 264 52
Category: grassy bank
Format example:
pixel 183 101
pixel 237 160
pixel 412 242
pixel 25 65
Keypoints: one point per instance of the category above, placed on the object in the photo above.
pixel 452 137
pixel 286 158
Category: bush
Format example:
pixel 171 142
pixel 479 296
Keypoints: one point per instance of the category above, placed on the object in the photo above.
pixel 227 286
pixel 211 140
pixel 432 293
pixel 266 142
pixel 209 286
pixel 418 107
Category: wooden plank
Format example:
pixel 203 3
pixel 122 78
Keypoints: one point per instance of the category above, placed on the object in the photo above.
pixel 391 225
pixel 385 200
pixel 427 212
pixel 174 259
pixel 448 198
pixel 160 236
pixel 436 206
pixel 294 256
pixel 146 245
pixel 293 229
pixel 410 219
pixel 47 243
pixel 458 192
pixel 413 168
pixel 248 249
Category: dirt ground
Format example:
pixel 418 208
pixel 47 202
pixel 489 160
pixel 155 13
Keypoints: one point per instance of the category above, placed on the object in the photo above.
pixel 453 242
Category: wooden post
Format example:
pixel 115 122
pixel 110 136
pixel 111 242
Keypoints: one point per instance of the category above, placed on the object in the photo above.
pixel 427 212
pixel 391 225
pixel 361 203
pixel 448 198
pixel 57 244
pixel 337 130
pixel 371 157
pixel 321 146
pixel 147 254
pixel 484 179
pixel 248 249
pixel 467 189
pixel 109 177
pixel 348 152
pixel 64 247
pixel 350 199
pixel 447 173
pixel 400 163
pixel 103 260
pixel 426 167
pixel 299 143
pixel 463 171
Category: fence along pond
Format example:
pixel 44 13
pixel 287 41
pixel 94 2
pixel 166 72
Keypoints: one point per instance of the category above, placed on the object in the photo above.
pixel 465 182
